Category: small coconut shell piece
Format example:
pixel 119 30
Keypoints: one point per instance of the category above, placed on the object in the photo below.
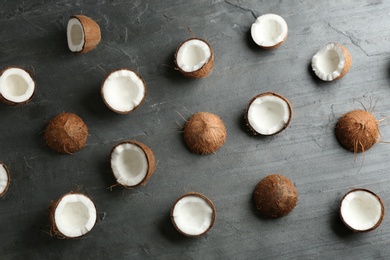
pixel 269 31
pixel 66 133
pixel 275 196
pixel 362 210
pixel 17 86
pixel 193 214
pixel 204 133
pixel 132 163
pixel 357 131
pixel 83 34
pixel 268 114
pixel 331 62
pixel 72 215
pixel 194 58
pixel 5 179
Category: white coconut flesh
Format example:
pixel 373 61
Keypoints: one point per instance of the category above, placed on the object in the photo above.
pixel 75 35
pixel 75 215
pixel 16 85
pixel 361 210
pixel 328 62
pixel 192 215
pixel 129 164
pixel 4 179
pixel 192 55
pixel 268 114
pixel 268 30
pixel 123 90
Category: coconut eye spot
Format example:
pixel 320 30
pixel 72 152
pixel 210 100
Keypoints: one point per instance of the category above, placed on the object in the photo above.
pixel 192 55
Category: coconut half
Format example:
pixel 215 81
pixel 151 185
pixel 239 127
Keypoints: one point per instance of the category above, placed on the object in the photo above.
pixel 83 34
pixel 72 215
pixel 193 214
pixel 132 163
pixel 123 91
pixel 269 31
pixel 17 86
pixel 331 62
pixel 268 114
pixel 194 58
pixel 361 210
pixel 4 179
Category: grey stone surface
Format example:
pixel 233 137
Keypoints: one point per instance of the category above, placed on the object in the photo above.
pixel 143 35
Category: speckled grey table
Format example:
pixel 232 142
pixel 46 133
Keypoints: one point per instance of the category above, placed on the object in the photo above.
pixel 143 35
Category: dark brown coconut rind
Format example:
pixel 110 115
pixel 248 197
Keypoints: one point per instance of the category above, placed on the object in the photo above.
pixel 251 129
pixel 66 133
pixel 207 200
pixel 92 35
pixel 357 131
pixel 9 179
pixel 380 219
pixel 348 61
pixel 149 157
pixel 275 196
pixel 117 111
pixel 204 71
pixel 276 45
pixel 204 133
pixel 52 208
pixel 11 103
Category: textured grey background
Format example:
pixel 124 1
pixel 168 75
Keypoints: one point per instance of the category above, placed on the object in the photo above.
pixel 143 35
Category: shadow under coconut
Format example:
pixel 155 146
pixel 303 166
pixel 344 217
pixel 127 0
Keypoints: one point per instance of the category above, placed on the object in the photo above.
pixel 166 228
pixel 245 128
pixel 95 105
pixel 338 226
pixel 256 48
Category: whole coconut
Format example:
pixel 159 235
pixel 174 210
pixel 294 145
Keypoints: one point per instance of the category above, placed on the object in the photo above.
pixel 357 131
pixel 204 133
pixel 275 196
pixel 66 133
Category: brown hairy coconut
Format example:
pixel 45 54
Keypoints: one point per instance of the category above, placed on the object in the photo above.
pixel 194 58
pixel 204 133
pixel 275 196
pixel 83 34
pixel 357 131
pixel 4 179
pixel 66 133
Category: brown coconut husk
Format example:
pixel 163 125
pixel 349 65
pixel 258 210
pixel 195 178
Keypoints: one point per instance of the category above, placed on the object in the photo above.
pixel 380 219
pixel 275 196
pixel 66 133
pixel 9 179
pixel 117 111
pixel 207 200
pixel 11 103
pixel 357 131
pixel 204 133
pixel 204 71
pixel 92 35
pixel 348 61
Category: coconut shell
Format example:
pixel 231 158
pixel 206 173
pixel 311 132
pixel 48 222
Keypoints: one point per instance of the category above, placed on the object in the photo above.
pixel 204 133
pixel 66 133
pixel 11 103
pixel 380 219
pixel 207 200
pixel 275 196
pixel 149 157
pixel 8 182
pixel 348 61
pixel 204 71
pixel 92 35
pixel 357 131
pixel 251 129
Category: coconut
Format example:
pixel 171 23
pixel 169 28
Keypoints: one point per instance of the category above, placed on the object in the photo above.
pixel 275 196
pixel 66 133
pixel 17 86
pixel 268 114
pixel 357 131
pixel 132 163
pixel 194 58
pixel 331 62
pixel 4 179
pixel 204 133
pixel 362 210
pixel 193 214
pixel 269 31
pixel 72 215
pixel 123 91
pixel 83 34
